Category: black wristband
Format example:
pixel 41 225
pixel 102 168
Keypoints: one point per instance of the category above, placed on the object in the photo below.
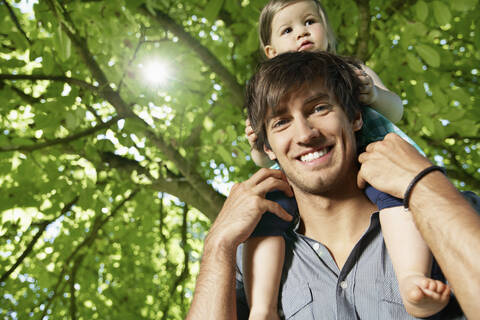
pixel 418 177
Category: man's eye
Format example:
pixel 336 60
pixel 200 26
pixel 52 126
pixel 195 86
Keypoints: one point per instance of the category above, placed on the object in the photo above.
pixel 279 123
pixel 286 30
pixel 320 108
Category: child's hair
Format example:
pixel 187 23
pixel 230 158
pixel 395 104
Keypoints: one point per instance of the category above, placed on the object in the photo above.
pixel 281 76
pixel 273 6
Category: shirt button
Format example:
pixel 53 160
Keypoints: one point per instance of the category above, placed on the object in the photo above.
pixel 316 246
pixel 344 284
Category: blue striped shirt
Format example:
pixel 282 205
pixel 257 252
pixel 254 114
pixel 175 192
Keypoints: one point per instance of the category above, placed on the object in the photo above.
pixel 313 287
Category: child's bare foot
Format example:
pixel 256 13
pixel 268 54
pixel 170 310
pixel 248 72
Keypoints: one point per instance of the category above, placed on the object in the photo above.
pixel 423 296
pixel 263 314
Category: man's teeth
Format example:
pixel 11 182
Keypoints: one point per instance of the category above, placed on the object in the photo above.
pixel 314 155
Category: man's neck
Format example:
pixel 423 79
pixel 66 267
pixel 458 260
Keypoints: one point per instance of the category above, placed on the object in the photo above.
pixel 337 219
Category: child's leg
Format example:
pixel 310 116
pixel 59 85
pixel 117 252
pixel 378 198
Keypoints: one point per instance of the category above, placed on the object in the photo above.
pixel 412 261
pixel 263 259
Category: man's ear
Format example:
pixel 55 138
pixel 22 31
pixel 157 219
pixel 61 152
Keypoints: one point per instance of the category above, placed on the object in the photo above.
pixel 270 51
pixel 269 153
pixel 358 122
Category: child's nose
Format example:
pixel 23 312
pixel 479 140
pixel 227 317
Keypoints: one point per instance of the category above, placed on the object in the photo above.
pixel 302 32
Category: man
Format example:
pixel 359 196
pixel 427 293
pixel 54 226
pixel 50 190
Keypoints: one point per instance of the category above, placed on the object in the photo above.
pixel 336 262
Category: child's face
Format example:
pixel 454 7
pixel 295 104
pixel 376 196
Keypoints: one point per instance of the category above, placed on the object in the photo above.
pixel 297 27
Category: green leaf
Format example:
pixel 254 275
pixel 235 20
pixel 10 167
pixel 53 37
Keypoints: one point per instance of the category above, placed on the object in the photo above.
pixel 460 95
pixel 19 40
pixel 226 155
pixel 71 121
pixel 464 5
pixel 441 12
pixel 429 55
pixel 467 127
pixel 62 44
pixel 13 63
pixel 454 114
pixel 208 124
pixel 427 107
pixel 252 40
pixel 414 63
pixel 421 10
pixel 212 9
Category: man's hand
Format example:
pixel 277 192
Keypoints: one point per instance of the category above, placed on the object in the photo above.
pixel 390 165
pixel 245 206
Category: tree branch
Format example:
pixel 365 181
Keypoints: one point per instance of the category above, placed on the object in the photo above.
pixel 161 221
pixel 213 198
pixel 203 53
pixel 137 48
pixel 42 227
pixel 37 77
pixel 73 275
pixel 26 97
pixel 398 5
pixel 210 196
pixel 185 271
pixel 81 45
pixel 178 187
pixel 73 137
pixel 363 29
pixel 97 225
pixel 15 21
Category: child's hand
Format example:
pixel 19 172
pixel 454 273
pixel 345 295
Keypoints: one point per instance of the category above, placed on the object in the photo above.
pixel 259 157
pixel 368 90
pixel 251 136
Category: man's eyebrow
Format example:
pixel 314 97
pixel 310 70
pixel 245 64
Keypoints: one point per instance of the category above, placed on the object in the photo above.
pixel 275 112
pixel 317 97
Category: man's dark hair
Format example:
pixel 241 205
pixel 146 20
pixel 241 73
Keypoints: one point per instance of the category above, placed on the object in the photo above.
pixel 276 78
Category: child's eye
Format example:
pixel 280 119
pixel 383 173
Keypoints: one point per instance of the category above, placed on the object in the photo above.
pixel 309 22
pixel 286 30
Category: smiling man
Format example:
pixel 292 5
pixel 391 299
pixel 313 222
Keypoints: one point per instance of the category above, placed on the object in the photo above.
pixel 304 111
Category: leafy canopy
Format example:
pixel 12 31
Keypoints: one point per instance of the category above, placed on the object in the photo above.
pixel 123 125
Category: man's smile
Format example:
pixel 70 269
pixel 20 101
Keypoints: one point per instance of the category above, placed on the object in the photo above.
pixel 313 155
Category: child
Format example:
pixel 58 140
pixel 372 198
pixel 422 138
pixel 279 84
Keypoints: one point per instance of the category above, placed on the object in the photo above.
pixel 297 25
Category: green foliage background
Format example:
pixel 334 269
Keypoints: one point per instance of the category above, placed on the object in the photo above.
pixel 109 183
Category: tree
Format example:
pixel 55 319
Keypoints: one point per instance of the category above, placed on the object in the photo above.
pixel 109 182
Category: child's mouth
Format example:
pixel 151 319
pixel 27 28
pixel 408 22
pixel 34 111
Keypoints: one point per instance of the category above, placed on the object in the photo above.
pixel 305 46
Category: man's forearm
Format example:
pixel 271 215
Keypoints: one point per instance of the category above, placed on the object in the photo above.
pixel 451 228
pixel 214 296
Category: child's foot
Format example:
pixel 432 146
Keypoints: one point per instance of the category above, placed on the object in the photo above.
pixel 423 296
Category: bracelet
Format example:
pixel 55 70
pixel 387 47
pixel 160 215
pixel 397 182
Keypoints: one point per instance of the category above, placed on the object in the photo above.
pixel 414 181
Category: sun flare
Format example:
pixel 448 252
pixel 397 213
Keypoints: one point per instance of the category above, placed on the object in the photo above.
pixel 155 72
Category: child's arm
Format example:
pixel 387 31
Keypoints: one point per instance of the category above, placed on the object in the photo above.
pixel 263 259
pixel 375 94
pixel 259 157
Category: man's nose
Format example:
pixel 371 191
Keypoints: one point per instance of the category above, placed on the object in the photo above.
pixel 305 131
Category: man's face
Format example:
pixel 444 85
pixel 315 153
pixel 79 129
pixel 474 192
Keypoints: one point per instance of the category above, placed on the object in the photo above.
pixel 313 140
